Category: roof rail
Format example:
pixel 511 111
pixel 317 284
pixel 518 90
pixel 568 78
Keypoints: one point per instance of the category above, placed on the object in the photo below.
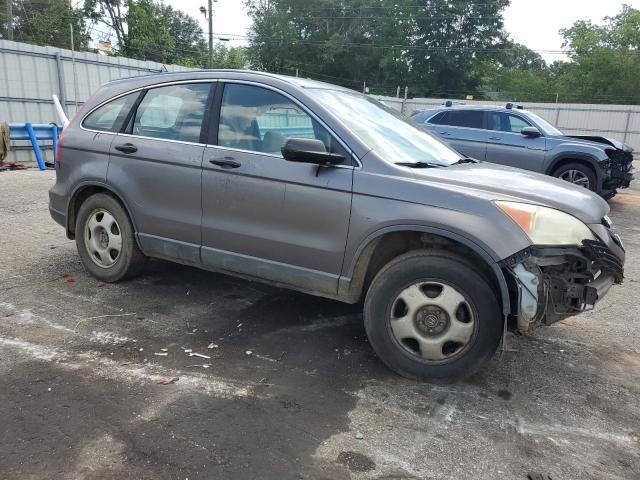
pixel 511 105
pixel 450 103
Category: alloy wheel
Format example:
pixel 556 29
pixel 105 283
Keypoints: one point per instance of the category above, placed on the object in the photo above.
pixel 576 177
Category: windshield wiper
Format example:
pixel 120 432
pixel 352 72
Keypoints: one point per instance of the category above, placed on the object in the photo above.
pixel 420 164
pixel 466 160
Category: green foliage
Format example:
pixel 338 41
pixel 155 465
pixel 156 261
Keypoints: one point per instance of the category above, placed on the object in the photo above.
pixel 435 47
pixel 148 34
pixel 48 23
pixel 604 67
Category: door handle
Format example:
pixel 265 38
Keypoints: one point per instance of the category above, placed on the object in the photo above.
pixel 127 148
pixel 226 162
pixel 444 133
pixel 494 138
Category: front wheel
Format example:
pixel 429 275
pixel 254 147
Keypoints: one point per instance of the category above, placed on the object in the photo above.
pixel 431 316
pixel 578 174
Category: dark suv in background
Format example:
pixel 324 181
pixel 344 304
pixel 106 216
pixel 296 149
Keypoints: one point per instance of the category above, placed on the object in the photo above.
pixel 518 138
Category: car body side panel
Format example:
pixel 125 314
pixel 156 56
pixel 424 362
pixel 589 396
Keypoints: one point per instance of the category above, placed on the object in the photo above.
pixel 399 201
pixel 161 184
pixel 84 160
pixel 471 142
pixel 516 150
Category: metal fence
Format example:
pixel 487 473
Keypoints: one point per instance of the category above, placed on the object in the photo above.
pixel 30 74
pixel 621 122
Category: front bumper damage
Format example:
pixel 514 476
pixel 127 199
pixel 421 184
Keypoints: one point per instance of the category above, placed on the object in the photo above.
pixel 552 283
pixel 619 169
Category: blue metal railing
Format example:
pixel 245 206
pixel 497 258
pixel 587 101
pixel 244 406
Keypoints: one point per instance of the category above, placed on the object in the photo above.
pixel 35 132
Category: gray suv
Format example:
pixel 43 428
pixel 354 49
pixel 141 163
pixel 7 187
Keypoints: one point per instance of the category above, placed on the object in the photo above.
pixel 317 188
pixel 518 138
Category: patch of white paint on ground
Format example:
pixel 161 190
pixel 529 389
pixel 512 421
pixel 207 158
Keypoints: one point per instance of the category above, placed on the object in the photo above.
pixel 109 338
pixel 25 316
pixel 139 374
pixel 39 352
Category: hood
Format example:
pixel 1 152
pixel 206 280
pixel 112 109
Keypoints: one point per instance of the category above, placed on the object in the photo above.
pixel 601 142
pixel 496 182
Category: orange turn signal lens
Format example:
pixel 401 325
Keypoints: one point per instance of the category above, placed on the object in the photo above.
pixel 519 213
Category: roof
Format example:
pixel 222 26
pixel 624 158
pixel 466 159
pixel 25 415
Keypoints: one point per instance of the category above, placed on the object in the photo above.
pixel 216 73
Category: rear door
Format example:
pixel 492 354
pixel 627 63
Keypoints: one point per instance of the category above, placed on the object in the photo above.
pixel 507 146
pixel 156 164
pixel 264 216
pixel 464 131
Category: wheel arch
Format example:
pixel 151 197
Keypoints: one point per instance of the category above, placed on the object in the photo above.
pixel 383 245
pixel 582 159
pixel 86 190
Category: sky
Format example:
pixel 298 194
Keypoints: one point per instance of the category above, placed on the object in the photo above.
pixel 534 23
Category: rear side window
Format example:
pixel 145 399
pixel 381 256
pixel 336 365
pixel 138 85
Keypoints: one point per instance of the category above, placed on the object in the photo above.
pixel 466 118
pixel 175 112
pixel 109 117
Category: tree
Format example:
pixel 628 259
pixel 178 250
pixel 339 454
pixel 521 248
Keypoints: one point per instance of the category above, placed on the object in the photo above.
pixel 436 46
pixel 190 47
pixel 48 23
pixel 150 30
pixel 229 57
pixel 148 33
pixel 605 60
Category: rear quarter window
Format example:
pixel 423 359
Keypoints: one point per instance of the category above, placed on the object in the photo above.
pixel 109 117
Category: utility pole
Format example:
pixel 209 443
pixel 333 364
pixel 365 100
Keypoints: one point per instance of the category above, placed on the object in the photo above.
pixel 210 33
pixel 208 13
pixel 10 19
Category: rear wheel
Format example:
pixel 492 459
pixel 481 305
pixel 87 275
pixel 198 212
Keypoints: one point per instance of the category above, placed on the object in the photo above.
pixel 105 239
pixel 432 317
pixel 578 174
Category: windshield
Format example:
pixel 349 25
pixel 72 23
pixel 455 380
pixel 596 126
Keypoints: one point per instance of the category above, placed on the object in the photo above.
pixel 389 133
pixel 545 126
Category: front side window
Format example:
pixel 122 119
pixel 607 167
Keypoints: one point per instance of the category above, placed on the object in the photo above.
pixel 506 122
pixel 261 120
pixel 110 116
pixel 516 124
pixel 174 112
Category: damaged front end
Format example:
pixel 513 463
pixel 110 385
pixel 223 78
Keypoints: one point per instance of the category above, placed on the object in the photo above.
pixel 552 283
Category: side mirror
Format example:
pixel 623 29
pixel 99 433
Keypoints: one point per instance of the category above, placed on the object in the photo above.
pixel 532 132
pixel 309 150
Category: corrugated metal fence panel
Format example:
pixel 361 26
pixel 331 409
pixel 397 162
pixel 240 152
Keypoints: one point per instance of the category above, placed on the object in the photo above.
pixel 30 75
pixel 621 122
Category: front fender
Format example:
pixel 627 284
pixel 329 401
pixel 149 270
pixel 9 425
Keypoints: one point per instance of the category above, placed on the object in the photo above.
pixel 345 282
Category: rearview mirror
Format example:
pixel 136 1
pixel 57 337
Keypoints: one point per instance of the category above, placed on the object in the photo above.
pixel 309 150
pixel 532 132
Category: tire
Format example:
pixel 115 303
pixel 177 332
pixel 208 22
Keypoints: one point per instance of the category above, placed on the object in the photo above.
pixel 466 339
pixel 579 173
pixel 105 240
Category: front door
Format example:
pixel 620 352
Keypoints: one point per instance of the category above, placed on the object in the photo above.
pixel 507 146
pixel 264 216
pixel 157 165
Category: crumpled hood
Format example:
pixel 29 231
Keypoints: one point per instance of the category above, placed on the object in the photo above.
pixel 601 142
pixel 496 182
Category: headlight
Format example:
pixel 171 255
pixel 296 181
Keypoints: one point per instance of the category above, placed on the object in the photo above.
pixel 546 226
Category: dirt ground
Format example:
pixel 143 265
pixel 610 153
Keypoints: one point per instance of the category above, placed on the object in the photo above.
pixel 79 398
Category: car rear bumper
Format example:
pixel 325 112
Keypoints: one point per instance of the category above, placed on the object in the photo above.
pixel 58 216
